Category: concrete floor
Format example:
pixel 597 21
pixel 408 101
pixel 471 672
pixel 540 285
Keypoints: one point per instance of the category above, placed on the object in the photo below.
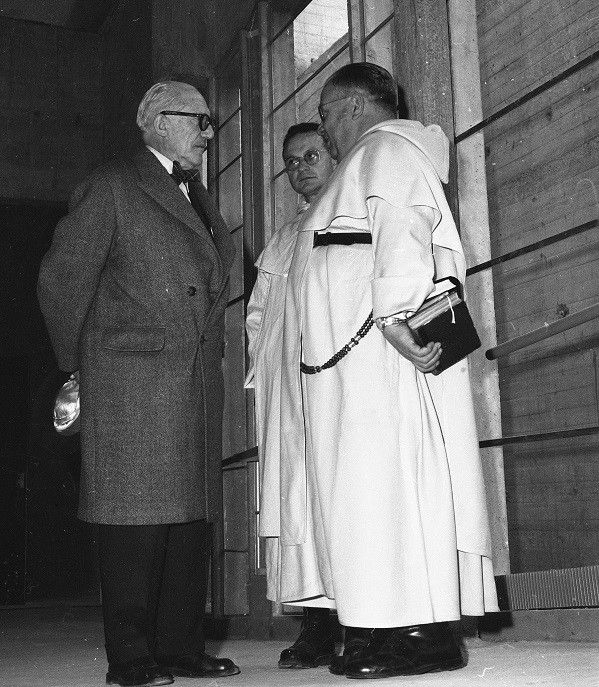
pixel 64 648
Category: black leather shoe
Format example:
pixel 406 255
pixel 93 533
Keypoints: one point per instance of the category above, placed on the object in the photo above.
pixel 136 675
pixel 411 651
pixel 203 665
pixel 359 643
pixel 315 645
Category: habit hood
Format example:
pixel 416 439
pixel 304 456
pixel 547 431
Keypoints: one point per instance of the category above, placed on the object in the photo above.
pixel 400 145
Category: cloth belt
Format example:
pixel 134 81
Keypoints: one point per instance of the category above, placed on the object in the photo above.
pixel 341 238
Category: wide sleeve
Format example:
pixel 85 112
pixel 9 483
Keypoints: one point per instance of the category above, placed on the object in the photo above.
pixel 71 269
pixel 254 319
pixel 404 267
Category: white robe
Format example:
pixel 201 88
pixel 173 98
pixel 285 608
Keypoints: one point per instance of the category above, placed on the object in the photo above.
pixel 264 327
pixel 379 462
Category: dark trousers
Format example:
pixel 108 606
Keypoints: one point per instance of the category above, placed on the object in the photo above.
pixel 154 581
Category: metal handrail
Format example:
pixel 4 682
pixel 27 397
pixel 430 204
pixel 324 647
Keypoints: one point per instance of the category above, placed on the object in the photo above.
pixel 532 247
pixel 544 332
pixel 251 455
pixel 541 436
pixel 589 59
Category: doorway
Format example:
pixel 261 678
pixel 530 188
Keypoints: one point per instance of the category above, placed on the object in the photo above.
pixel 49 553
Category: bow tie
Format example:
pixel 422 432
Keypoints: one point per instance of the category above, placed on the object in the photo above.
pixel 183 176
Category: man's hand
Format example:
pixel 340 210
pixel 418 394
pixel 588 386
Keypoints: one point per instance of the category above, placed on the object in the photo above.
pixel 424 358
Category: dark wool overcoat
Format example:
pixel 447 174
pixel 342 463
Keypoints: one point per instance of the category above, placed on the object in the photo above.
pixel 133 291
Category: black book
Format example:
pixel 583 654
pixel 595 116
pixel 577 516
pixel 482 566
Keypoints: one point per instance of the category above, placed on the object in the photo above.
pixel 444 317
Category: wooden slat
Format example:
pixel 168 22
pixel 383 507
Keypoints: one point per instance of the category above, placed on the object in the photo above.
pixel 266 119
pixel 553 503
pixel 253 154
pixel 546 288
pixel 236 566
pixel 230 196
pixel 283 72
pixel 283 83
pixel 229 82
pixel 229 141
pixel 540 158
pixel 234 423
pixel 235 508
pixel 530 43
pixel 357 30
pixel 237 277
pixel 375 12
pixel 421 30
pixel 565 108
pixel 380 48
pixel 557 392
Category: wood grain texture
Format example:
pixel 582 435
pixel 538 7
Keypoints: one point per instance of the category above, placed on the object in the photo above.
pixel 234 423
pixel 423 71
pixel 528 42
pixel 542 163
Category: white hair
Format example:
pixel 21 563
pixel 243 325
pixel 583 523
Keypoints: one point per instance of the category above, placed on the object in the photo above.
pixel 165 95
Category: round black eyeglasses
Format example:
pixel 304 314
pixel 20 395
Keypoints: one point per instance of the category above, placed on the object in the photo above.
pixel 204 120
pixel 310 157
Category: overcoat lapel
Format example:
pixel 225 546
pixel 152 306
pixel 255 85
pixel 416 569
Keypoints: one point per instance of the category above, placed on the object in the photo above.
pixel 220 231
pixel 156 183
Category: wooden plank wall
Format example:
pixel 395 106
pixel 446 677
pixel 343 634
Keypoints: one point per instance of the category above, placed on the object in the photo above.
pixel 542 162
pixel 228 184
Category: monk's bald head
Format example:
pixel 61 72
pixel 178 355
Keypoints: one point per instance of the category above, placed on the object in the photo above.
pixel 370 79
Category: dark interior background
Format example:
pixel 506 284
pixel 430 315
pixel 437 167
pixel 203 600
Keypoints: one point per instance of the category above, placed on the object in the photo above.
pixel 46 553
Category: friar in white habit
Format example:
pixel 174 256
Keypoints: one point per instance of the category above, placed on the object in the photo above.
pixel 380 465
pixel 308 165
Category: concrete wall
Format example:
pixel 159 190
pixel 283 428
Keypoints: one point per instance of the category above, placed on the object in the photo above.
pixel 50 109
pixel 127 72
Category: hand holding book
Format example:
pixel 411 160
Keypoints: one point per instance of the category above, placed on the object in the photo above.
pixel 439 334
pixel 444 318
pixel 423 357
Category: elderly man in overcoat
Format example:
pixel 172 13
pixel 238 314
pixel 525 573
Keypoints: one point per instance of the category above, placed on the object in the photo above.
pixel 133 291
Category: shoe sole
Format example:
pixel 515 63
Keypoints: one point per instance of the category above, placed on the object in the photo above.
pixel 153 683
pixel 450 665
pixel 320 661
pixel 213 675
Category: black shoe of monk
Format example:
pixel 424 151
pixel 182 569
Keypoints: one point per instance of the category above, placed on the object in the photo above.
pixel 359 643
pixel 315 645
pixel 411 651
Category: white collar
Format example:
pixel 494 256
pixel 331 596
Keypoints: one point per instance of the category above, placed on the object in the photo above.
pixel 164 161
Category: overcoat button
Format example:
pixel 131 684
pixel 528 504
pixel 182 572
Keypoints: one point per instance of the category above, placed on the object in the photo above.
pixel 191 291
